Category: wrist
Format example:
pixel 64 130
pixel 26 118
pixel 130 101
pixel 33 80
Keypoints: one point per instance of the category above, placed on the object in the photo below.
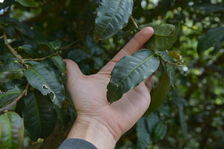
pixel 93 131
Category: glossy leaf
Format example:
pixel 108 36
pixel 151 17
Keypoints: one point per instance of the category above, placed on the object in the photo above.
pixel 130 71
pixel 7 97
pixel 12 131
pixel 164 37
pixel 212 38
pixel 39 115
pixel 44 78
pixel 160 131
pixel 159 93
pixel 144 138
pixel 112 16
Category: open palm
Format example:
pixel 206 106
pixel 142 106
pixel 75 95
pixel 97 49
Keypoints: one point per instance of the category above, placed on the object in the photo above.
pixel 89 92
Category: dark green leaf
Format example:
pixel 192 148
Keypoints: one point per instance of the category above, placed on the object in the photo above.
pixel 144 138
pixel 7 97
pixel 11 131
pixel 55 45
pixel 10 71
pixel 160 92
pixel 210 8
pixel 44 78
pixel 165 56
pixel 59 63
pixel 78 55
pixel 160 131
pixel 170 69
pixel 39 115
pixel 130 71
pixel 151 121
pixel 6 3
pixel 212 38
pixel 164 37
pixel 112 16
pixel 28 3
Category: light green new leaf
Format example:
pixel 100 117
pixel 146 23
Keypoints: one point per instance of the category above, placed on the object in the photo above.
pixel 164 37
pixel 39 115
pixel 7 97
pixel 130 71
pixel 212 38
pixel 11 131
pixel 28 3
pixel 112 16
pixel 144 137
pixel 42 77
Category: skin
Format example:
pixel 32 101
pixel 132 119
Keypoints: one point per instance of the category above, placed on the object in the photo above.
pixel 98 121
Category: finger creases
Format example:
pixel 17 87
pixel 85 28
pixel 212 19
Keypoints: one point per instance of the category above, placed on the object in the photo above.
pixel 131 47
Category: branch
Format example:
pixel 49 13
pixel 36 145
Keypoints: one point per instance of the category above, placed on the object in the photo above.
pixel 24 93
pixel 12 50
pixel 40 59
pixel 135 23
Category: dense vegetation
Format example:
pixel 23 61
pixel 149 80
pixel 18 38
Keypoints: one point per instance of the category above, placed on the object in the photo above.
pixel 36 35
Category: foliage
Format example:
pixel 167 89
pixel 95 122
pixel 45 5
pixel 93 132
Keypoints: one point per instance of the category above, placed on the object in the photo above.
pixel 35 37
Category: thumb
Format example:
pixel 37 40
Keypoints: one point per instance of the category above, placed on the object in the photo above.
pixel 73 70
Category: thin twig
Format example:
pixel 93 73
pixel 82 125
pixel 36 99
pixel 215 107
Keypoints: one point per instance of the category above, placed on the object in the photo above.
pixel 40 59
pixel 12 50
pixel 24 93
pixel 135 23
pixel 69 45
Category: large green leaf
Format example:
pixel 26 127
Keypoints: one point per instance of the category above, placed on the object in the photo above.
pixel 39 115
pixel 164 37
pixel 7 97
pixel 11 130
pixel 130 71
pixel 212 38
pixel 112 15
pixel 159 93
pixel 42 77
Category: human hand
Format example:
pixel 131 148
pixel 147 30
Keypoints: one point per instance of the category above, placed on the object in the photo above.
pixel 98 121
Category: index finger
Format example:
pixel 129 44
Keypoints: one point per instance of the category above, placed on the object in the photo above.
pixel 131 47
